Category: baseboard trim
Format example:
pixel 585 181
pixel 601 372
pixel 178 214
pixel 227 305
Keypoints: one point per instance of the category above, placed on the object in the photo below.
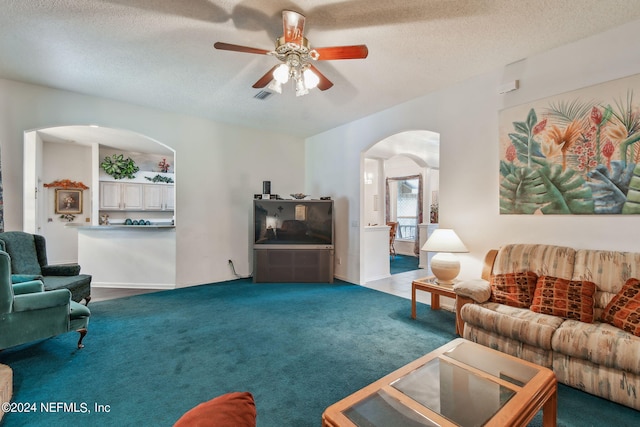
pixel 160 286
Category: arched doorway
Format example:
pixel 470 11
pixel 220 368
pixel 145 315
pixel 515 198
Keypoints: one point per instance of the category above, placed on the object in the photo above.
pixel 406 153
pixel 74 153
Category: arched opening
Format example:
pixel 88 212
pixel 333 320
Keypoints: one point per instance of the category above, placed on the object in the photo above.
pixel 400 185
pixel 74 153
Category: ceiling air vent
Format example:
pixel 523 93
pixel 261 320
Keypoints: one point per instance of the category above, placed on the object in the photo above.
pixel 263 94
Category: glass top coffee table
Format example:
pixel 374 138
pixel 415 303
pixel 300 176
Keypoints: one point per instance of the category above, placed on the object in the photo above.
pixel 459 384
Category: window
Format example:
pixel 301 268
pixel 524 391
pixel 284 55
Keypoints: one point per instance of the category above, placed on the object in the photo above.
pixel 405 210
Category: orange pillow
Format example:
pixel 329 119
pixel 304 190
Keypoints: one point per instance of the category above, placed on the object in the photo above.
pixel 514 289
pixel 229 410
pixel 569 299
pixel 624 309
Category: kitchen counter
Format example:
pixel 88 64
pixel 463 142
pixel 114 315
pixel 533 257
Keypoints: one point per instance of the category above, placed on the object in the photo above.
pixel 376 253
pixel 122 226
pixel 128 256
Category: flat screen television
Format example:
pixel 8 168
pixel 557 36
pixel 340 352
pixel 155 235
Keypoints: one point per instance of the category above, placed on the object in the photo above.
pixel 293 223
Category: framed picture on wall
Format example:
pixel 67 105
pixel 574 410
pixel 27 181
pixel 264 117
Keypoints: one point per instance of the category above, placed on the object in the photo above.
pixel 68 201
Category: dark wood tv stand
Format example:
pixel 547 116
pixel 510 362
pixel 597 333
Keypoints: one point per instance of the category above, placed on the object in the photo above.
pixel 293 265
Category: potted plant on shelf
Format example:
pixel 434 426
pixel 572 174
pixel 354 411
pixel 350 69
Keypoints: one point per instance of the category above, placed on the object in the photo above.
pixel 119 167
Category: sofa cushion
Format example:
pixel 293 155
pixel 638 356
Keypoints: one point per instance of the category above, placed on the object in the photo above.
pixel 624 309
pixel 565 298
pixel 80 285
pixel 609 270
pixel 514 289
pixel 599 343
pixel 510 346
pixel 517 323
pixel 229 410
pixel 544 260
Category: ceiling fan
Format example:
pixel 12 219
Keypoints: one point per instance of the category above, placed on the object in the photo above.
pixel 296 55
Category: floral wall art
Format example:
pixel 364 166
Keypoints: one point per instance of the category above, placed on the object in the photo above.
pixel 575 153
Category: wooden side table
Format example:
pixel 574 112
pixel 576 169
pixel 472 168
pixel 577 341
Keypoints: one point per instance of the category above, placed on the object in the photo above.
pixel 429 284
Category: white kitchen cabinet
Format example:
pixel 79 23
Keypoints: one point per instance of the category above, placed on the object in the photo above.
pixel 121 196
pixel 159 197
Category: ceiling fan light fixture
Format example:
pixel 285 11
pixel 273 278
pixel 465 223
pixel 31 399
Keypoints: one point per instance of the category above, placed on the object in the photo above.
pixel 296 55
pixel 281 73
pixel 275 86
pixel 311 80
pixel 301 89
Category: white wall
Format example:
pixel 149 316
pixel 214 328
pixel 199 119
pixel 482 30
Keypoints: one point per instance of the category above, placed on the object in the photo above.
pixel 373 194
pixel 466 116
pixel 221 167
pixel 64 161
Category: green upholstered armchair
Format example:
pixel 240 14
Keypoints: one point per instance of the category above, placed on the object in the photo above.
pixel 28 254
pixel 28 313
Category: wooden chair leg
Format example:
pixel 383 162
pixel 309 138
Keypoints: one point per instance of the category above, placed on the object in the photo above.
pixel 87 299
pixel 82 333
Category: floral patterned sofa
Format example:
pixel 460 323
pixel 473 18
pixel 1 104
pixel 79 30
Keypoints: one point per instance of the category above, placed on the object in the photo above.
pixel 576 312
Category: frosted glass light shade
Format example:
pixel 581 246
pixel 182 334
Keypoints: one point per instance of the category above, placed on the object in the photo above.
pixel 301 89
pixel 275 86
pixel 310 79
pixel 281 73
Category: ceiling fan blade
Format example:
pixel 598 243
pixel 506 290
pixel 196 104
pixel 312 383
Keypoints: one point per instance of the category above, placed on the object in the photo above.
pixel 325 83
pixel 293 26
pixel 359 51
pixel 238 48
pixel 264 80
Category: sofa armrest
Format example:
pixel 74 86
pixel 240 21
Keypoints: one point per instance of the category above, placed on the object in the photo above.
pixel 20 278
pixel 28 287
pixel 478 290
pixel 42 300
pixel 61 270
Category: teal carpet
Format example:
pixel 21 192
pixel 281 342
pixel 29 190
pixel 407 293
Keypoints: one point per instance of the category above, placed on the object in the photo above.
pixel 403 263
pixel 297 347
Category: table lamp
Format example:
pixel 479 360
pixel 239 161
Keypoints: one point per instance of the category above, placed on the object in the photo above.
pixel 444 265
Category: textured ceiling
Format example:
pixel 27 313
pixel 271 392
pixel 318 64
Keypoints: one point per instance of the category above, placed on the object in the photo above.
pixel 159 53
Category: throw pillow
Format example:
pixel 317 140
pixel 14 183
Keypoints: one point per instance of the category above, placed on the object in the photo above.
pixel 569 299
pixel 624 309
pixel 514 289
pixel 229 410
pixel 478 290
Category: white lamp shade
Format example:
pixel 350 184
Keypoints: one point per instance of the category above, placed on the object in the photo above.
pixel 444 240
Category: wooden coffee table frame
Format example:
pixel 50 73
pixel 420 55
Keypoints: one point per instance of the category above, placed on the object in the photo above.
pixel 538 393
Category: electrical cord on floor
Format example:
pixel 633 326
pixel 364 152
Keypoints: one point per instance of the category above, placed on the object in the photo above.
pixel 233 269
